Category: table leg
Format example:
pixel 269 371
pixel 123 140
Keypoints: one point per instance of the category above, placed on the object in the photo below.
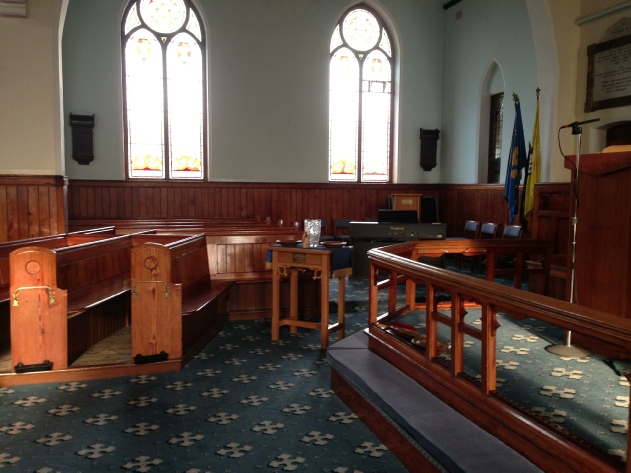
pixel 293 298
pixel 324 308
pixel 341 306
pixel 275 303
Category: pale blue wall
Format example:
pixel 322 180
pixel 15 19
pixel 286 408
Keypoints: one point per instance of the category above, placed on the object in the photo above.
pixel 92 83
pixel 268 70
pixel 268 80
pixel 487 31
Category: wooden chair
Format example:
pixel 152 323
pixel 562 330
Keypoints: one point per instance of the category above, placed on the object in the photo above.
pixel 341 229
pixel 512 231
pixel 324 236
pixel 471 231
pixel 505 264
pixel 488 231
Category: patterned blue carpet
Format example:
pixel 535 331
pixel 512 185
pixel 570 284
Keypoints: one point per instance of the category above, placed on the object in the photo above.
pixel 246 403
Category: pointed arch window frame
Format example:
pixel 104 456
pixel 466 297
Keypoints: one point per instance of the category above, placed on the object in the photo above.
pixel 165 156
pixel 340 167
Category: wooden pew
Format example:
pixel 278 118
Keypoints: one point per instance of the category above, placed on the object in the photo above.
pixel 50 241
pixel 93 281
pixel 96 307
pixel 237 251
pixel 239 254
pixel 176 307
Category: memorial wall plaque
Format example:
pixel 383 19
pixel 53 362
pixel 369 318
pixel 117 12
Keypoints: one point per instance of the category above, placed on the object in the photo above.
pixel 609 74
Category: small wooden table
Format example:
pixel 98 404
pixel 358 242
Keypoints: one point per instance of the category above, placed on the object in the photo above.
pixel 287 262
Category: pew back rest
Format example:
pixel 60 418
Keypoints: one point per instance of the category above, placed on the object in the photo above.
pixel 189 263
pixel 107 230
pixel 94 271
pixel 189 225
pixel 162 238
pixel 239 254
pixel 82 266
pixel 183 262
pixel 51 242
pixel 84 260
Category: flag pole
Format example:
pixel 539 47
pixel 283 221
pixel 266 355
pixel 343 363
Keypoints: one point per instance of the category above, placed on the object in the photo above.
pixel 567 349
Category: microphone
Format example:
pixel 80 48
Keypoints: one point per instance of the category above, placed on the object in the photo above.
pixel 575 124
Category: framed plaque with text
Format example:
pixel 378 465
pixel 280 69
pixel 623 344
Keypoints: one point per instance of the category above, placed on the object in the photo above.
pixel 608 74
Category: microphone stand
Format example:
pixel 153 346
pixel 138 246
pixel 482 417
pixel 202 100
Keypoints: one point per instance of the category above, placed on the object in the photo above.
pixel 567 349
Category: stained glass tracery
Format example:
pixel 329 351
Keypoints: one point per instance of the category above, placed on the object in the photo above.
pixel 360 99
pixel 193 26
pixel 163 16
pixel 164 87
pixel 361 30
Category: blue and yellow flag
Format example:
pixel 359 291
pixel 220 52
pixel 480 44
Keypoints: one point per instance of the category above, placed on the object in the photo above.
pixel 533 174
pixel 516 162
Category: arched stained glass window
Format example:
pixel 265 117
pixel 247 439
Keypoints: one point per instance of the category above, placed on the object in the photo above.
pixel 360 98
pixel 164 90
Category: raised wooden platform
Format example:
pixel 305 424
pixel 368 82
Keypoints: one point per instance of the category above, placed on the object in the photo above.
pixel 421 430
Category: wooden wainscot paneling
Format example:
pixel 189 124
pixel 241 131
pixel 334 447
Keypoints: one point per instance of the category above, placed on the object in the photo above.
pixel 101 201
pixel 201 206
pixel 289 202
pixel 482 202
pixel 208 204
pixel 32 206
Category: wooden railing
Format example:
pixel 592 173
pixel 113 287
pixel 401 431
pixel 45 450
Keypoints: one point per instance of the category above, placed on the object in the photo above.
pixel 479 401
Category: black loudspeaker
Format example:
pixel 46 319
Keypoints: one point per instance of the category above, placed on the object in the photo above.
pixel 82 141
pixel 429 209
pixel 429 142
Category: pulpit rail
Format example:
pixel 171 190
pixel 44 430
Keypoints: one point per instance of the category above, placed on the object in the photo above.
pixel 478 399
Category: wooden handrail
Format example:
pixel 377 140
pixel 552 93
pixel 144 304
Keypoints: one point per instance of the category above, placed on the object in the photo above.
pixel 478 401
